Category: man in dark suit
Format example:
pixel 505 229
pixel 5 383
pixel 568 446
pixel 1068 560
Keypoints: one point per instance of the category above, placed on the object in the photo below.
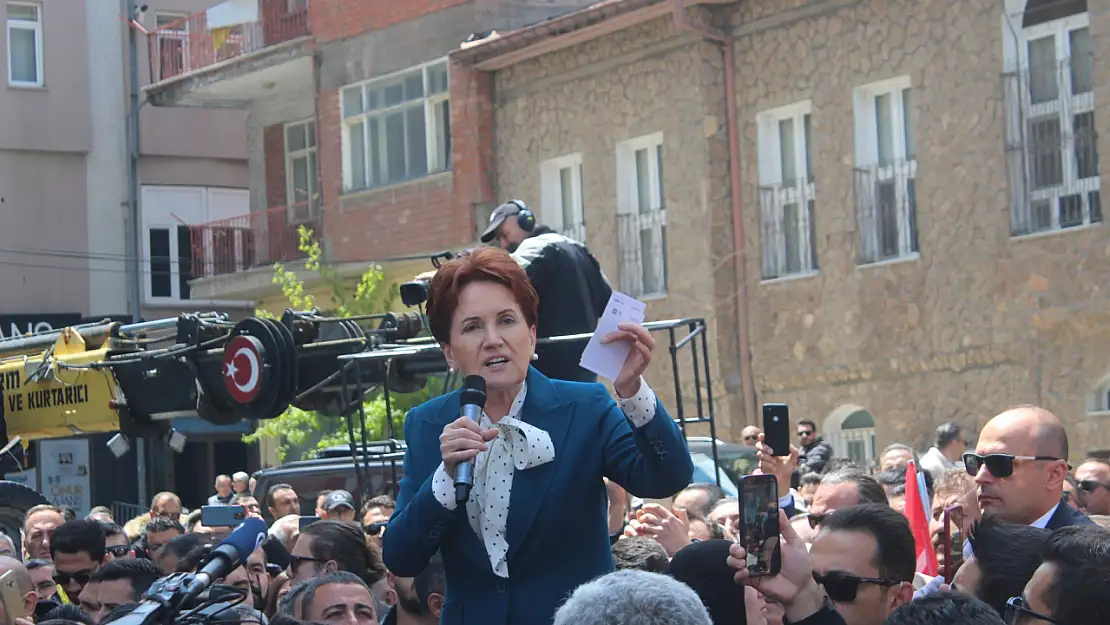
pixel 1019 464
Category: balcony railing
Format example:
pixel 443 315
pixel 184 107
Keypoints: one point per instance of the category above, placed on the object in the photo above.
pixel 886 198
pixel 257 239
pixel 188 45
pixel 642 240
pixel 786 216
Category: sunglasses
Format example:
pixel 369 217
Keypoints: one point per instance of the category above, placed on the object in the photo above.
pixel 751 438
pixel 118 551
pixel 1000 465
pixel 844 587
pixel 81 577
pixel 805 433
pixel 1090 486
pixel 295 562
pixel 1017 611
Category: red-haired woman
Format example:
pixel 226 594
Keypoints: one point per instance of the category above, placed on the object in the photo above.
pixel 535 526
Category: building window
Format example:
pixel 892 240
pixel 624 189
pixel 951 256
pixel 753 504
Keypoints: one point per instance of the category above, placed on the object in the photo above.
pixel 300 171
pixel 561 192
pixel 1098 402
pixel 1051 138
pixel 190 232
pixel 396 128
pixel 172 36
pixel 642 216
pixel 886 169
pixel 24 44
pixel 786 191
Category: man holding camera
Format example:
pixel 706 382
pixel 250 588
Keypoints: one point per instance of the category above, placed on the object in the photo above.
pixel 572 289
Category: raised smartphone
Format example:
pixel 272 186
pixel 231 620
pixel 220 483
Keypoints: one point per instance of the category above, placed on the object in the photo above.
pixel 222 516
pixel 759 524
pixel 776 428
pixel 11 598
pixel 308 520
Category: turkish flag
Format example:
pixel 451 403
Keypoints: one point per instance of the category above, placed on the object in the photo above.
pixel 919 523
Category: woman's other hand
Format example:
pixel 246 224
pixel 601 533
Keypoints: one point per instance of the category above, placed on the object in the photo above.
pixel 462 440
pixel 627 383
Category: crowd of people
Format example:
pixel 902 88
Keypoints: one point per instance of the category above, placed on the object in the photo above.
pixel 94 570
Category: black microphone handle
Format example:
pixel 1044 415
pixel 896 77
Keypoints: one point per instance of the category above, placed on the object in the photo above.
pixel 464 471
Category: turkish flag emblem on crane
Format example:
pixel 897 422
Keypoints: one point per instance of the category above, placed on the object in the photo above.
pixel 242 364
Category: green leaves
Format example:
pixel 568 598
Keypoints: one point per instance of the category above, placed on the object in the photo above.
pixel 299 432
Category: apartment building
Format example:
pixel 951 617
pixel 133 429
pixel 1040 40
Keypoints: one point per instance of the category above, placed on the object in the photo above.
pixel 888 211
pixel 64 185
pixel 354 130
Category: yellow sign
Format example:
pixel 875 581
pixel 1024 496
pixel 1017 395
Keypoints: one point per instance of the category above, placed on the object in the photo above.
pixel 45 398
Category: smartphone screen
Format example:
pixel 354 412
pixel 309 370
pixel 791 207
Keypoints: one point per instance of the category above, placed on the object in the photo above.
pixel 776 428
pixel 759 523
pixel 947 539
pixel 308 520
pixel 222 516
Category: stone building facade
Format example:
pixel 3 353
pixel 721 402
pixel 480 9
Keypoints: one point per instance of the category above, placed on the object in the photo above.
pixel 920 196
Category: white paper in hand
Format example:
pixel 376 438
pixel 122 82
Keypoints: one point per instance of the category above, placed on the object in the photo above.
pixel 606 360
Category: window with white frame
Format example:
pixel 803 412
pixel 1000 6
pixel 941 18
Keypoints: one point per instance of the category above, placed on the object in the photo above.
pixel 396 128
pixel 886 169
pixel 1098 401
pixel 642 216
pixel 786 191
pixel 300 171
pixel 1051 136
pixel 189 232
pixel 561 193
pixel 25 44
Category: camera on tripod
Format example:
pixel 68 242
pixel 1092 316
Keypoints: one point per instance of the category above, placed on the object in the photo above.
pixel 415 293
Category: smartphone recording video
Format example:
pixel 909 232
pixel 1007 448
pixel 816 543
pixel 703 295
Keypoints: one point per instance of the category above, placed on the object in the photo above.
pixel 222 516
pixel 759 524
pixel 776 428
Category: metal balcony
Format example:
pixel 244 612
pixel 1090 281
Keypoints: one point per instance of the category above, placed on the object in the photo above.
pixel 234 258
pixel 192 65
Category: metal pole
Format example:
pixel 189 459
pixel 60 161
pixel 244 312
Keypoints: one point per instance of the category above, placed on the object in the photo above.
pixel 133 241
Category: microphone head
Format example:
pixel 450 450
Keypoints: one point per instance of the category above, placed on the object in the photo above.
pixel 474 391
pixel 703 566
pixel 247 537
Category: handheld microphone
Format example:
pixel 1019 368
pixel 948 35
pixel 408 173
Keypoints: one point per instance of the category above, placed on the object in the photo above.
pixel 473 399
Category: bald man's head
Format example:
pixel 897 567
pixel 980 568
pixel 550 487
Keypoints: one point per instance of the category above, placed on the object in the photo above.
pixel 20 572
pixel 1046 435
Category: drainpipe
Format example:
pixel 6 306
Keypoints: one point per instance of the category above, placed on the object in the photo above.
pixel 747 382
pixel 134 240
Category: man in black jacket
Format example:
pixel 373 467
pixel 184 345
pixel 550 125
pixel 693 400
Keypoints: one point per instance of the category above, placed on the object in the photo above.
pixel 572 289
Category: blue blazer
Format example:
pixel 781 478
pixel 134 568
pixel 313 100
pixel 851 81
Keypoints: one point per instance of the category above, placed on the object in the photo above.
pixel 558 529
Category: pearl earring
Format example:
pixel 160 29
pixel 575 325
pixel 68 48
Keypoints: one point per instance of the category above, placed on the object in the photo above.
pixel 535 356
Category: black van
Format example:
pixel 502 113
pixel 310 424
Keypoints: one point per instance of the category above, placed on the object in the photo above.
pixel 333 468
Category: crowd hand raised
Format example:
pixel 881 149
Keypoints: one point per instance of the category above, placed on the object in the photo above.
pixel 794 586
pixel 782 467
pixel 627 383
pixel 670 529
pixel 463 440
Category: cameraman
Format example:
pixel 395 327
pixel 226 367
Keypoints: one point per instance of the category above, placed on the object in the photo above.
pixel 571 287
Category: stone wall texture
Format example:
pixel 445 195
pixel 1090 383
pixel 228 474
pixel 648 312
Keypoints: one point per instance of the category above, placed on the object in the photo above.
pixel 979 321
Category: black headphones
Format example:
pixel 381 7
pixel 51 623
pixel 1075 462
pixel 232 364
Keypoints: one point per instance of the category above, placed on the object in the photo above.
pixel 525 218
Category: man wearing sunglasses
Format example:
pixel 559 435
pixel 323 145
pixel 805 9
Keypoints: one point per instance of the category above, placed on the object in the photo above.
pixel 1071 584
pixel 1019 465
pixel 78 551
pixel 864 558
pixel 750 435
pixel 1092 480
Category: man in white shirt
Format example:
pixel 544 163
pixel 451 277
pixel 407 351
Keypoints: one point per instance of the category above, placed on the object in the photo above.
pixel 951 443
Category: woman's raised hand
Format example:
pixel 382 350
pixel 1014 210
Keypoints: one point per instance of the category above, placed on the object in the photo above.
pixel 627 383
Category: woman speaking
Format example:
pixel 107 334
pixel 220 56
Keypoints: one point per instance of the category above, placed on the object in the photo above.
pixel 535 525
